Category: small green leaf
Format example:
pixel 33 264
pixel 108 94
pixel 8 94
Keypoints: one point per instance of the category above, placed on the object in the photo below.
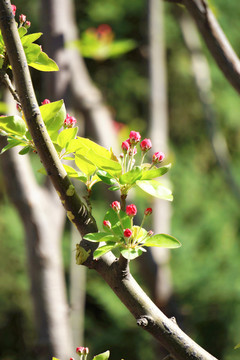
pixel 102 356
pixel 25 150
pixel 237 346
pixel 100 236
pixel 153 173
pixel 131 176
pixel 156 189
pixel 53 115
pixel 13 125
pixel 110 166
pixel 22 31
pixel 32 53
pixel 114 188
pixel 44 63
pixel 103 250
pixel 117 226
pixel 28 39
pixel 105 177
pixel 85 165
pixel 66 136
pixel 75 174
pixel 131 254
pixel 163 240
pixel 12 143
pixel 100 150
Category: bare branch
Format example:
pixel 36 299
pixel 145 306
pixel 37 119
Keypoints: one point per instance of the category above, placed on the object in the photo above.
pixel 216 40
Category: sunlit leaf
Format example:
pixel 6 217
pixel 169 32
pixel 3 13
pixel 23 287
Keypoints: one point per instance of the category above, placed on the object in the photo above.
pixel 13 125
pixel 103 250
pixel 75 174
pixel 53 115
pixel 156 189
pixel 153 173
pixel 100 236
pixel 44 63
pixel 131 176
pixel 102 356
pixel 131 254
pixel 162 240
pixel 66 136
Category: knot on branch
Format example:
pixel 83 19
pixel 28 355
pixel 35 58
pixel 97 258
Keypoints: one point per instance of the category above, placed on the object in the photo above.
pixel 144 321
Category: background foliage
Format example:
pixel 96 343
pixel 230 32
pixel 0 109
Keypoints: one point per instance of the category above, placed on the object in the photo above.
pixel 206 215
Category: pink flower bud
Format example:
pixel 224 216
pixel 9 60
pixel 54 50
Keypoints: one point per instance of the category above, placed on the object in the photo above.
pixel 148 211
pixel 46 101
pixel 158 157
pixel 85 351
pixel 27 24
pixel 134 137
pixel 79 350
pixel 131 210
pixel 125 146
pixel 116 206
pixel 70 121
pixel 127 233
pixel 133 151
pixel 14 8
pixel 72 358
pixel 18 107
pixel 22 18
pixel 150 232
pixel 146 145
pixel 107 224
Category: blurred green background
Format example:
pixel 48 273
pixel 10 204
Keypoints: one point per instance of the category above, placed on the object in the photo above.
pixel 206 216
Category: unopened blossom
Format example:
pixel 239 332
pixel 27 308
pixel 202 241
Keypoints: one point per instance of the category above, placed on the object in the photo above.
pixel 127 233
pixel 125 146
pixel 71 358
pixel 148 211
pixel 70 121
pixel 116 206
pixel 80 350
pixel 18 107
pixel 133 151
pixel 158 157
pixel 27 24
pixel 46 101
pixel 131 210
pixel 22 18
pixel 145 145
pixel 107 224
pixel 14 8
pixel 150 232
pixel 134 137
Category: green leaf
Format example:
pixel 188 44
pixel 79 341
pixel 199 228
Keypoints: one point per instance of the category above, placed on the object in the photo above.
pixel 100 150
pixel 153 173
pixel 28 39
pixel 237 346
pixel 102 356
pixel 32 52
pixel 44 63
pixel 139 233
pixel 114 188
pixel 22 31
pixel 13 125
pixel 100 236
pixel 66 136
pixel 120 47
pixel 74 145
pixel 75 174
pixel 163 240
pixel 103 250
pixel 25 150
pixel 12 143
pixel 108 165
pixel 156 189
pixel 131 254
pixel 105 177
pixel 85 165
pixel 53 115
pixel 131 176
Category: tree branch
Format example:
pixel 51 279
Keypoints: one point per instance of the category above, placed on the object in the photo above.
pixel 148 316
pixel 216 40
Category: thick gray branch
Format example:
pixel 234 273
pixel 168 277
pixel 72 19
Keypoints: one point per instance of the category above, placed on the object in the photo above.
pixel 143 309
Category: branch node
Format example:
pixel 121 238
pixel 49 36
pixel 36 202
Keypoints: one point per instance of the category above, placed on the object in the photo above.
pixel 143 321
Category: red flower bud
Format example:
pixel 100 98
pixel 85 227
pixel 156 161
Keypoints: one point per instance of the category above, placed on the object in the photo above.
pixel 80 350
pixel 125 146
pixel 146 145
pixel 158 157
pixel 148 211
pixel 131 210
pixel 27 24
pixel 72 359
pixel 116 206
pixel 127 233
pixel 150 232
pixel 46 101
pixel 22 18
pixel 134 151
pixel 107 224
pixel 70 121
pixel 134 137
pixel 14 8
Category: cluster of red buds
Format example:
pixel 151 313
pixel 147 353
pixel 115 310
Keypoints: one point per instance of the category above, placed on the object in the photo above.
pixel 22 18
pixel 129 150
pixel 82 352
pixel 69 122
pixel 131 211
